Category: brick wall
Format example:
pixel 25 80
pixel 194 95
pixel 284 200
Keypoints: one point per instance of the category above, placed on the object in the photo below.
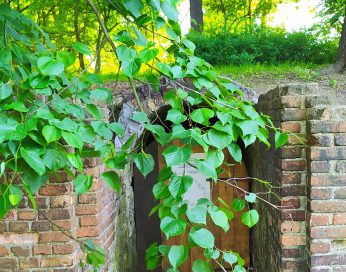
pixel 309 234
pixel 29 242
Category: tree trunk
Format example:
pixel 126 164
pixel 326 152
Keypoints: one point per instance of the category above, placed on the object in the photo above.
pixel 341 62
pixel 196 14
pixel 76 31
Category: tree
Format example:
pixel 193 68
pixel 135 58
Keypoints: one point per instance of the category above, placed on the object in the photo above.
pixel 196 14
pixel 333 13
pixel 239 14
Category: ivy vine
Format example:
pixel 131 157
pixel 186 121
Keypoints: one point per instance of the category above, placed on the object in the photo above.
pixel 45 110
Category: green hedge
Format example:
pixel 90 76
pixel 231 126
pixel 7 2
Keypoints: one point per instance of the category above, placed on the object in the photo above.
pixel 269 46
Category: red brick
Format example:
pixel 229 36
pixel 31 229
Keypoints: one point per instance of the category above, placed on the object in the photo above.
pixel 40 226
pixel 291 178
pixel 27 215
pixel 19 227
pixel 55 189
pixel 327 180
pixel 88 232
pixel 296 165
pixel 293 190
pixel 87 221
pixel 339 219
pixel 3 251
pixel 319 220
pixel 293 240
pixel 88 209
pixel 291 152
pixel 89 198
pixel 66 224
pixel 42 249
pixel 8 264
pixel 291 126
pixel 291 203
pixel 56 214
pixel 62 249
pixel 317 247
pixel 291 101
pixel 295 215
pixel 53 236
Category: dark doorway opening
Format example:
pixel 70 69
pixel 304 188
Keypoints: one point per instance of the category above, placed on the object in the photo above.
pixel 147 227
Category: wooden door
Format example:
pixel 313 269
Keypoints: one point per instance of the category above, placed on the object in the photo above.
pixel 237 238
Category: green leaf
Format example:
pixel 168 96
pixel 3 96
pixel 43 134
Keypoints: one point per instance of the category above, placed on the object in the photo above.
pixel 179 185
pixel 197 214
pixel 101 94
pixel 238 268
pixel 169 9
pixel 218 138
pixel 177 255
pixel 82 183
pixel 206 168
pixel 202 116
pixel 33 159
pixel 148 54
pixel 201 266
pixel 172 227
pixel 250 218
pixel 2 168
pixel 250 197
pixel 249 127
pixel 134 6
pixel 82 48
pixel 55 159
pixel 75 161
pixel 238 204
pixel 152 257
pixel 235 152
pixel 175 155
pixel 117 128
pixel 160 190
pixel 230 258
pixel 51 133
pixel 280 139
pixel 49 66
pixel 112 179
pixel 73 139
pixel 144 162
pixel 15 195
pixel 203 238
pixel 131 66
pixel 175 116
pixel 140 117
pixel 5 90
pixel 94 111
pixel 219 218
pixel 66 58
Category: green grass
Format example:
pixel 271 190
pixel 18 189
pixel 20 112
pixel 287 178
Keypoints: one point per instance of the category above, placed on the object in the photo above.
pixel 301 71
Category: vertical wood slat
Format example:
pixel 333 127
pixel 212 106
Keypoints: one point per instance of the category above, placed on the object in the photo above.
pixel 237 238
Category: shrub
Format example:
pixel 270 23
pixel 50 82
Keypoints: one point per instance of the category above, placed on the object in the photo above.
pixel 264 45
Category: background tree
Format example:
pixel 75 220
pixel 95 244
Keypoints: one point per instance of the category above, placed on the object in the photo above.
pixel 333 13
pixel 196 14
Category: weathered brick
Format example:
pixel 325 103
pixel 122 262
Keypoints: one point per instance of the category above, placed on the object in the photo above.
pixel 57 261
pixel 339 219
pixel 292 115
pixel 328 232
pixel 290 226
pixel 326 126
pixel 291 178
pixel 40 226
pixel 293 127
pixel 293 190
pixel 326 260
pixel 42 249
pixel 340 193
pixel 27 215
pixel 293 165
pixel 291 152
pixel 88 209
pixel 87 221
pixel 291 203
pixel 8 263
pixel 19 227
pixel 340 167
pixel 320 139
pixel 61 201
pixel 327 153
pixel 319 247
pixel 340 139
pixel 55 214
pixel 52 236
pixel 55 189
pixel 62 249
pixel 330 206
pixel 295 215
pixel 88 232
pixel 28 263
pixel 3 251
pixel 319 220
pixel 21 251
pixel 320 113
pixel 328 180
pixel 319 166
pixel 320 193
pixel 18 239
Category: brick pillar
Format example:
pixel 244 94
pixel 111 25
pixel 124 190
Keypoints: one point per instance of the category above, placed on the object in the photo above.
pixel 327 180
pixel 279 240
